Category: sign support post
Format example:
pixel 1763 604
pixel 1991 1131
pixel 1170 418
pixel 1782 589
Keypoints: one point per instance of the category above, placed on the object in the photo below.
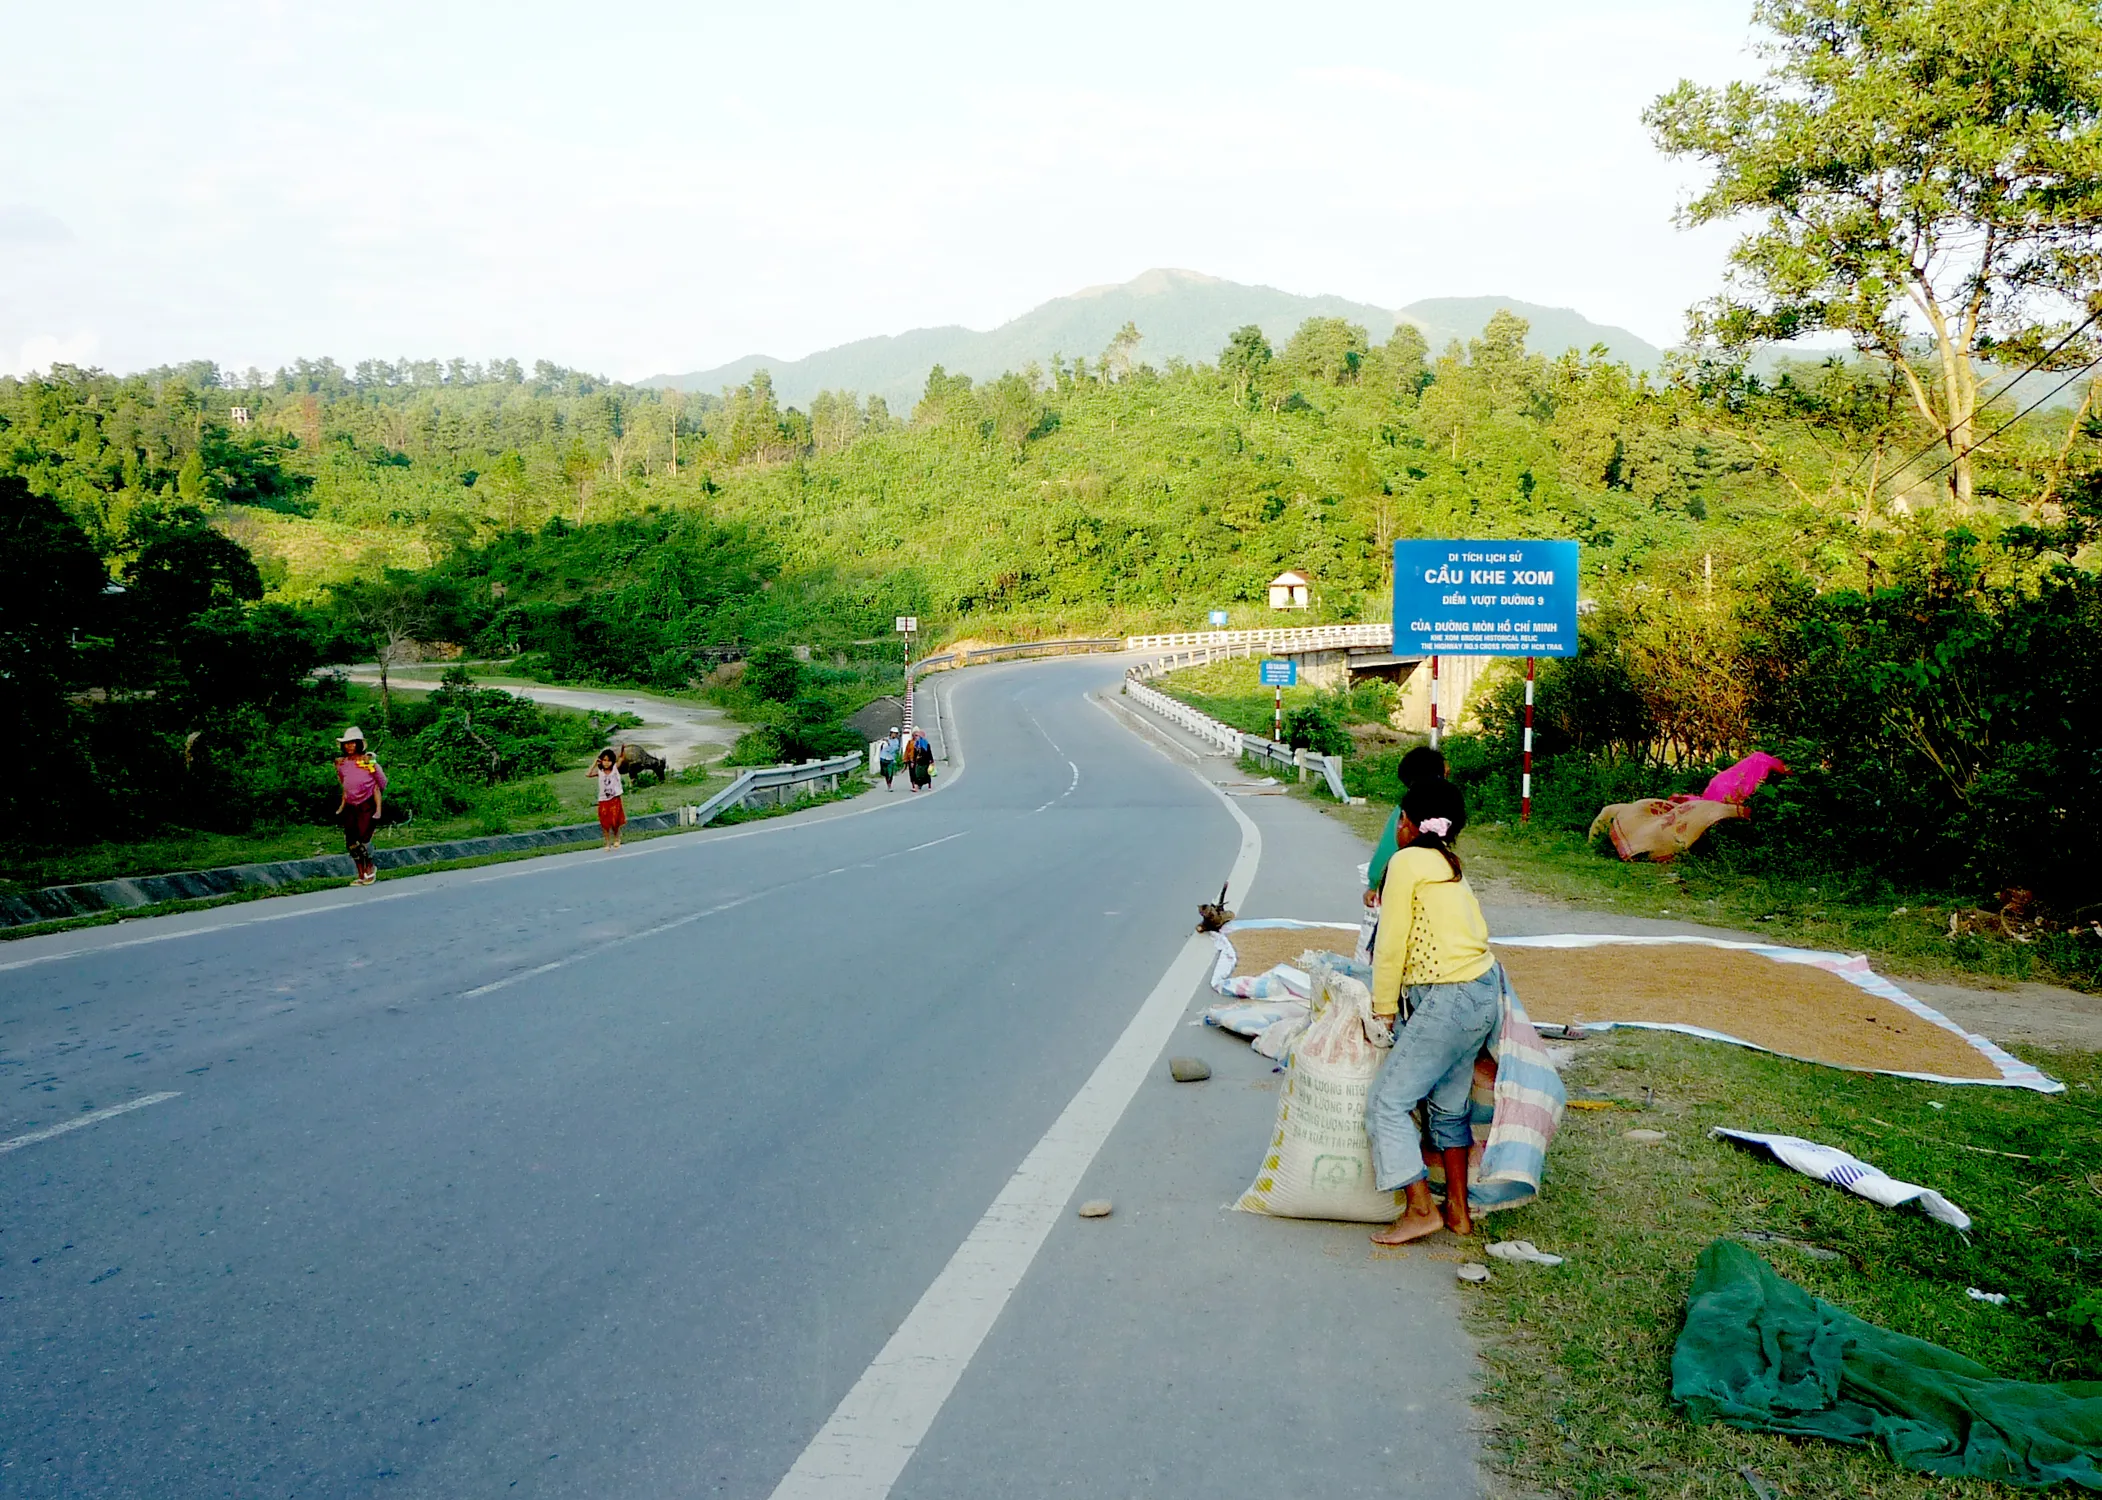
pixel 1434 701
pixel 1279 673
pixel 1525 776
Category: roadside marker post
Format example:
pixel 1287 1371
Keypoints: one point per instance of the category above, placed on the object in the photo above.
pixel 907 624
pixel 1434 702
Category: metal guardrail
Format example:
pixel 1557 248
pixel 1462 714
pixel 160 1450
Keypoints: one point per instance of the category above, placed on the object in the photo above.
pixel 1231 741
pixel 1270 752
pixel 1022 649
pixel 1302 636
pixel 1047 648
pixel 764 787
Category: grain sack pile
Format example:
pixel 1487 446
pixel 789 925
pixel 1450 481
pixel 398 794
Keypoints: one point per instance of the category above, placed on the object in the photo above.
pixel 1319 1165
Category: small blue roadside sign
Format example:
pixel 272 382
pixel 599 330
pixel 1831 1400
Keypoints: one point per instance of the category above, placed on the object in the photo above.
pixel 1219 619
pixel 1280 671
pixel 1465 598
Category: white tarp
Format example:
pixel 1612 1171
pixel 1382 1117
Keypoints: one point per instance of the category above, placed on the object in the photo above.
pixel 1830 1164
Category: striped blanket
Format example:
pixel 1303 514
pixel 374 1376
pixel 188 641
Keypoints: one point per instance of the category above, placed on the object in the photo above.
pixel 1518 1103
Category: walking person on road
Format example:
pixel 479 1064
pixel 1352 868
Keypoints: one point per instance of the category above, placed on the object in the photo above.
pixel 612 812
pixel 1440 989
pixel 887 755
pixel 919 762
pixel 358 809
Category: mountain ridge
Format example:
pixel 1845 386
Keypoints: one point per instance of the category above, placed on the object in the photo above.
pixel 1181 314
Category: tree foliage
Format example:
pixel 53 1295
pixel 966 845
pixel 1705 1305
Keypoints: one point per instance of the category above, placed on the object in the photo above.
pixel 1917 169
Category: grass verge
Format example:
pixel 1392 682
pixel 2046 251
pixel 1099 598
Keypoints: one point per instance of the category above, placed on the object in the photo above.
pixel 1578 1356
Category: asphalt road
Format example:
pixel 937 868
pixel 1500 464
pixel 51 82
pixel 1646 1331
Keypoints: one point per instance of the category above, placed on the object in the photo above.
pixel 611 1175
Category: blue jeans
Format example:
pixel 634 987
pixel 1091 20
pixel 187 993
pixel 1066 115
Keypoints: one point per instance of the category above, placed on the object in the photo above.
pixel 1432 1064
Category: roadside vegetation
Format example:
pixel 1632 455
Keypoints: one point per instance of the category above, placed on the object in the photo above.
pixel 1579 1355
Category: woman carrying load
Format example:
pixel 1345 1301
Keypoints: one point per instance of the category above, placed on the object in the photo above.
pixel 1435 982
pixel 358 809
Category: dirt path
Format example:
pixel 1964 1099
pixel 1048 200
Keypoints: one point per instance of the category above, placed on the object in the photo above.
pixel 680 732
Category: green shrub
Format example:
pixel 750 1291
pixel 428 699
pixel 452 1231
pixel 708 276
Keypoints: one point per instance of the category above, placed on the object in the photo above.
pixel 1317 727
pixel 773 674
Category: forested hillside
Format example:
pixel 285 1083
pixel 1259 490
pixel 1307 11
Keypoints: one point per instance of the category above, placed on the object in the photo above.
pixel 1768 560
pixel 1101 492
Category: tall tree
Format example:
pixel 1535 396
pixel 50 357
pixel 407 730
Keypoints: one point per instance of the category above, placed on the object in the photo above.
pixel 1122 353
pixel 1920 170
pixel 1243 359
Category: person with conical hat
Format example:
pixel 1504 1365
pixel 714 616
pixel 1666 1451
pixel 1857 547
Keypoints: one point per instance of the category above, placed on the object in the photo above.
pixel 358 809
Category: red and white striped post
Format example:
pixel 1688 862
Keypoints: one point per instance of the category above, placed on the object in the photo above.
pixel 1434 702
pixel 1525 775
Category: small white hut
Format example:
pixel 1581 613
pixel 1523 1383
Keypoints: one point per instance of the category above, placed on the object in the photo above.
pixel 1290 590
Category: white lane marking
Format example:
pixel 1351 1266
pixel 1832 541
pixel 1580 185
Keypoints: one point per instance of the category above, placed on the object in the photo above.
pixel 1043 731
pixel 536 865
pixel 691 917
pixel 862 1449
pixel 187 932
pixel 916 848
pixel 92 1117
pixel 1071 787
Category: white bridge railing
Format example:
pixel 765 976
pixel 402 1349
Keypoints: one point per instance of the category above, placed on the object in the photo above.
pixel 1223 737
pixel 1228 740
pixel 1299 637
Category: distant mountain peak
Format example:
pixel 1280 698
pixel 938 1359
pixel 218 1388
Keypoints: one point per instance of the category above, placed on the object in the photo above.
pixel 1161 281
pixel 1181 314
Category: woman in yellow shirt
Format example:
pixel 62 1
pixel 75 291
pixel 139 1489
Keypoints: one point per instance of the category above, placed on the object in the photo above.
pixel 1435 982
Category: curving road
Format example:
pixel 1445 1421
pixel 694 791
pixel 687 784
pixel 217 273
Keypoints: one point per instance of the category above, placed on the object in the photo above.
pixel 736 1164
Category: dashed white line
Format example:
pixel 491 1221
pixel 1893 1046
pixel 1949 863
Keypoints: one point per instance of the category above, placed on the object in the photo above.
pixel 691 917
pixel 79 1122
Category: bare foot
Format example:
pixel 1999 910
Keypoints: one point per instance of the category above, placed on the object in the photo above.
pixel 1410 1226
pixel 1458 1220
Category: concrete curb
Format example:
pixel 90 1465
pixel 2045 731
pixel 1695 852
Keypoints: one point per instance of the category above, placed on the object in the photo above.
pixel 57 902
pixel 766 786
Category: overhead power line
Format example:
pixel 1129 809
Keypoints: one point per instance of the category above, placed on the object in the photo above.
pixel 2040 361
pixel 2032 406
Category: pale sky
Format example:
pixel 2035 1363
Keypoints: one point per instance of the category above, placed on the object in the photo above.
pixel 656 187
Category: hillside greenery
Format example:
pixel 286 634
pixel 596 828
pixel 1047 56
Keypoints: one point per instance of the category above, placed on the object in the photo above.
pixel 263 527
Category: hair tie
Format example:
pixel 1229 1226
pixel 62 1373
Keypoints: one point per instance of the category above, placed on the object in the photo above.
pixel 1437 826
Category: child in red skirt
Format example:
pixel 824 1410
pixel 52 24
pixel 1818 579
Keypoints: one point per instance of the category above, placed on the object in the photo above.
pixel 612 814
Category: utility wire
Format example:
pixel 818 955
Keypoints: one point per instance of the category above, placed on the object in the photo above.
pixel 2041 360
pixel 2032 406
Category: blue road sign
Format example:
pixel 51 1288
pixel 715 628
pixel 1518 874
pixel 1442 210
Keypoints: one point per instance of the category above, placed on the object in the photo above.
pixel 1280 671
pixel 1219 618
pixel 1464 598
